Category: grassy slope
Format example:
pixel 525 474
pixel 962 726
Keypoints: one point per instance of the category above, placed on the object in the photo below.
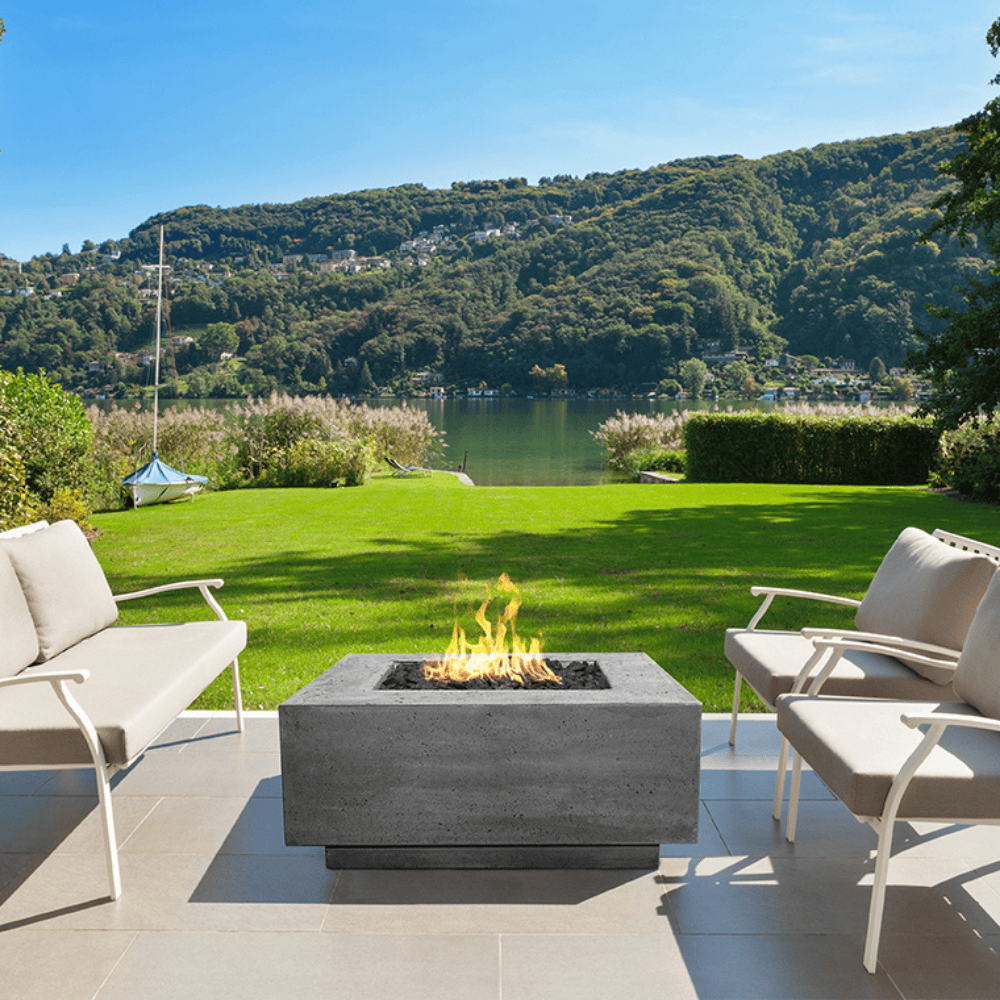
pixel 663 569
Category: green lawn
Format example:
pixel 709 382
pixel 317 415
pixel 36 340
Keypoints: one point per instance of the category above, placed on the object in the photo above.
pixel 317 574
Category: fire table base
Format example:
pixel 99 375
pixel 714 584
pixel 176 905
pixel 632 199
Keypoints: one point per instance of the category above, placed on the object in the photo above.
pixel 509 778
pixel 605 856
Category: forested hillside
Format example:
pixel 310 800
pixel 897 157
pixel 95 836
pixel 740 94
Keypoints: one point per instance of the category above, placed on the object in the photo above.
pixel 615 277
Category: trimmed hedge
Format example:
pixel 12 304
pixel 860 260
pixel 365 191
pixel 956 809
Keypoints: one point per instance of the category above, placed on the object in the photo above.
pixel 777 447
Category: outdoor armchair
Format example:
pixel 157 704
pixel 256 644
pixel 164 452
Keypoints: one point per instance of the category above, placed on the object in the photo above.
pixel 890 760
pixel 912 624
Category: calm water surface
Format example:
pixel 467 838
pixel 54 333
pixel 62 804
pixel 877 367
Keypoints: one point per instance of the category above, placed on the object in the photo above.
pixel 530 442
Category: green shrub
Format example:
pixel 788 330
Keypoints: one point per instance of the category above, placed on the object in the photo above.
pixel 780 447
pixel 969 461
pixel 312 462
pixel 14 498
pixel 652 460
pixel 65 504
pixel 51 432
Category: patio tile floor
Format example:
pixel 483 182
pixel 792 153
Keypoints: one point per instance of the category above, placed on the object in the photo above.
pixel 216 905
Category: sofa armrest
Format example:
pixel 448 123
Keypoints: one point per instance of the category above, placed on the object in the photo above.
pixel 202 585
pixel 54 677
pixel 770 593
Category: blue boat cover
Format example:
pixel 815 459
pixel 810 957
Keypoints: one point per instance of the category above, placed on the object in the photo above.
pixel 159 473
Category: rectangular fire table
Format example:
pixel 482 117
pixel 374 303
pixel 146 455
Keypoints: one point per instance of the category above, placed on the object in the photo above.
pixel 501 778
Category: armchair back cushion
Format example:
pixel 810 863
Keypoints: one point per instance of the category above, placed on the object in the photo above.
pixel 927 591
pixel 18 641
pixel 977 676
pixel 63 584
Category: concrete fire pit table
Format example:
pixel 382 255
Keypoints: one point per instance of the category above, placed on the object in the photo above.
pixel 501 778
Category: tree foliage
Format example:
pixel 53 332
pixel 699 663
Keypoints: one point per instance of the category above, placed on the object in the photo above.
pixel 962 358
pixel 813 250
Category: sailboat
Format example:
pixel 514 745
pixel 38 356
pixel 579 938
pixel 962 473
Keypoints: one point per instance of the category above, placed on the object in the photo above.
pixel 156 481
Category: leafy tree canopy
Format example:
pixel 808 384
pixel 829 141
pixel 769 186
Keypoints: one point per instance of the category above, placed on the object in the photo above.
pixel 963 357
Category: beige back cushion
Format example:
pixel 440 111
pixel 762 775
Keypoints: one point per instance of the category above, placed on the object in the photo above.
pixel 64 586
pixel 977 676
pixel 927 591
pixel 18 642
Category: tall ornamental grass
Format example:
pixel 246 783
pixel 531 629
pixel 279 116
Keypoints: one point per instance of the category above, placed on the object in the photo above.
pixel 628 433
pixel 279 441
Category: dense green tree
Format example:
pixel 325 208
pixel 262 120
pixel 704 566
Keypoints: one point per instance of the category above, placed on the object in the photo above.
pixel 962 359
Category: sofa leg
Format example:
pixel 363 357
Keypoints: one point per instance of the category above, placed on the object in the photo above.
pixel 793 797
pixel 736 709
pixel 110 840
pixel 237 693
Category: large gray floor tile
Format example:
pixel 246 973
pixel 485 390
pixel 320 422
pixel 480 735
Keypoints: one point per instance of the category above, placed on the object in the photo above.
pixel 220 735
pixel 782 967
pixel 826 896
pixel 72 824
pixel 933 968
pixel 593 967
pixel 214 825
pixel 185 774
pixel 444 902
pixel 754 783
pixel 58 965
pixel 307 967
pixel 709 844
pixel 825 829
pixel 174 892
pixel 22 782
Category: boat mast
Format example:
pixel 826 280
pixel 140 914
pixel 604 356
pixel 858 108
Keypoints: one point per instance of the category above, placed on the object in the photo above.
pixel 156 375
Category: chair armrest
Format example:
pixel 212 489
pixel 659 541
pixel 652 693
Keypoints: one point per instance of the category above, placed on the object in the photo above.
pixel 875 638
pixel 913 720
pixel 770 593
pixel 841 644
pixel 202 585
pixel 52 676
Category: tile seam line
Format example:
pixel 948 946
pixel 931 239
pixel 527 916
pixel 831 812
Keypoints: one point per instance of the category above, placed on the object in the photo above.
pixel 114 967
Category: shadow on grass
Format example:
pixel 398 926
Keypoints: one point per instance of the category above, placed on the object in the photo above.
pixel 599 571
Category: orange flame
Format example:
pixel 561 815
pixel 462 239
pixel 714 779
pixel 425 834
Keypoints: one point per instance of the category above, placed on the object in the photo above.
pixel 490 658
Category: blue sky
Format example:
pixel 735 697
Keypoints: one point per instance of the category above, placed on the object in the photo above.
pixel 112 111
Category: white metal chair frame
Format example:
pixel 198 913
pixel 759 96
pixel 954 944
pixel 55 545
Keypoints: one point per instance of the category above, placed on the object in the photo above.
pixel 104 771
pixel 869 641
pixel 883 824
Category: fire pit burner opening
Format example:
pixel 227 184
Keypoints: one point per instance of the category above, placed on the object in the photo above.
pixel 572 675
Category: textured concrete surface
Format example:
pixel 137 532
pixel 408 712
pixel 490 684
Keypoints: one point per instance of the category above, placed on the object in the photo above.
pixel 541 769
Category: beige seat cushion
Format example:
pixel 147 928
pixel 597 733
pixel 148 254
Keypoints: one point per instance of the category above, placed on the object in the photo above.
pixel 858 745
pixel 771 660
pixel 18 640
pixel 143 677
pixel 927 591
pixel 64 585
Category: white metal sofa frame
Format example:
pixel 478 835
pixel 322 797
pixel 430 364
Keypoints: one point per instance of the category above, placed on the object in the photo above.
pixel 869 642
pixel 104 771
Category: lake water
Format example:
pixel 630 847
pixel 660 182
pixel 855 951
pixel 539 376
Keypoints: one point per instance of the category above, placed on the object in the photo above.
pixel 530 442
pixel 527 442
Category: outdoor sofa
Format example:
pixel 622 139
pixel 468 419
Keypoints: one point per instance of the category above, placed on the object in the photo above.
pixel 78 691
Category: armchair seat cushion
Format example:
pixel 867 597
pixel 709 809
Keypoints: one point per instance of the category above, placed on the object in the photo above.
pixel 142 678
pixel 771 660
pixel 858 745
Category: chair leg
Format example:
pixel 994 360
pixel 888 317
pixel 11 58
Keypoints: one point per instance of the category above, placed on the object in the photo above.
pixel 736 708
pixel 779 781
pixel 237 693
pixel 876 907
pixel 793 797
